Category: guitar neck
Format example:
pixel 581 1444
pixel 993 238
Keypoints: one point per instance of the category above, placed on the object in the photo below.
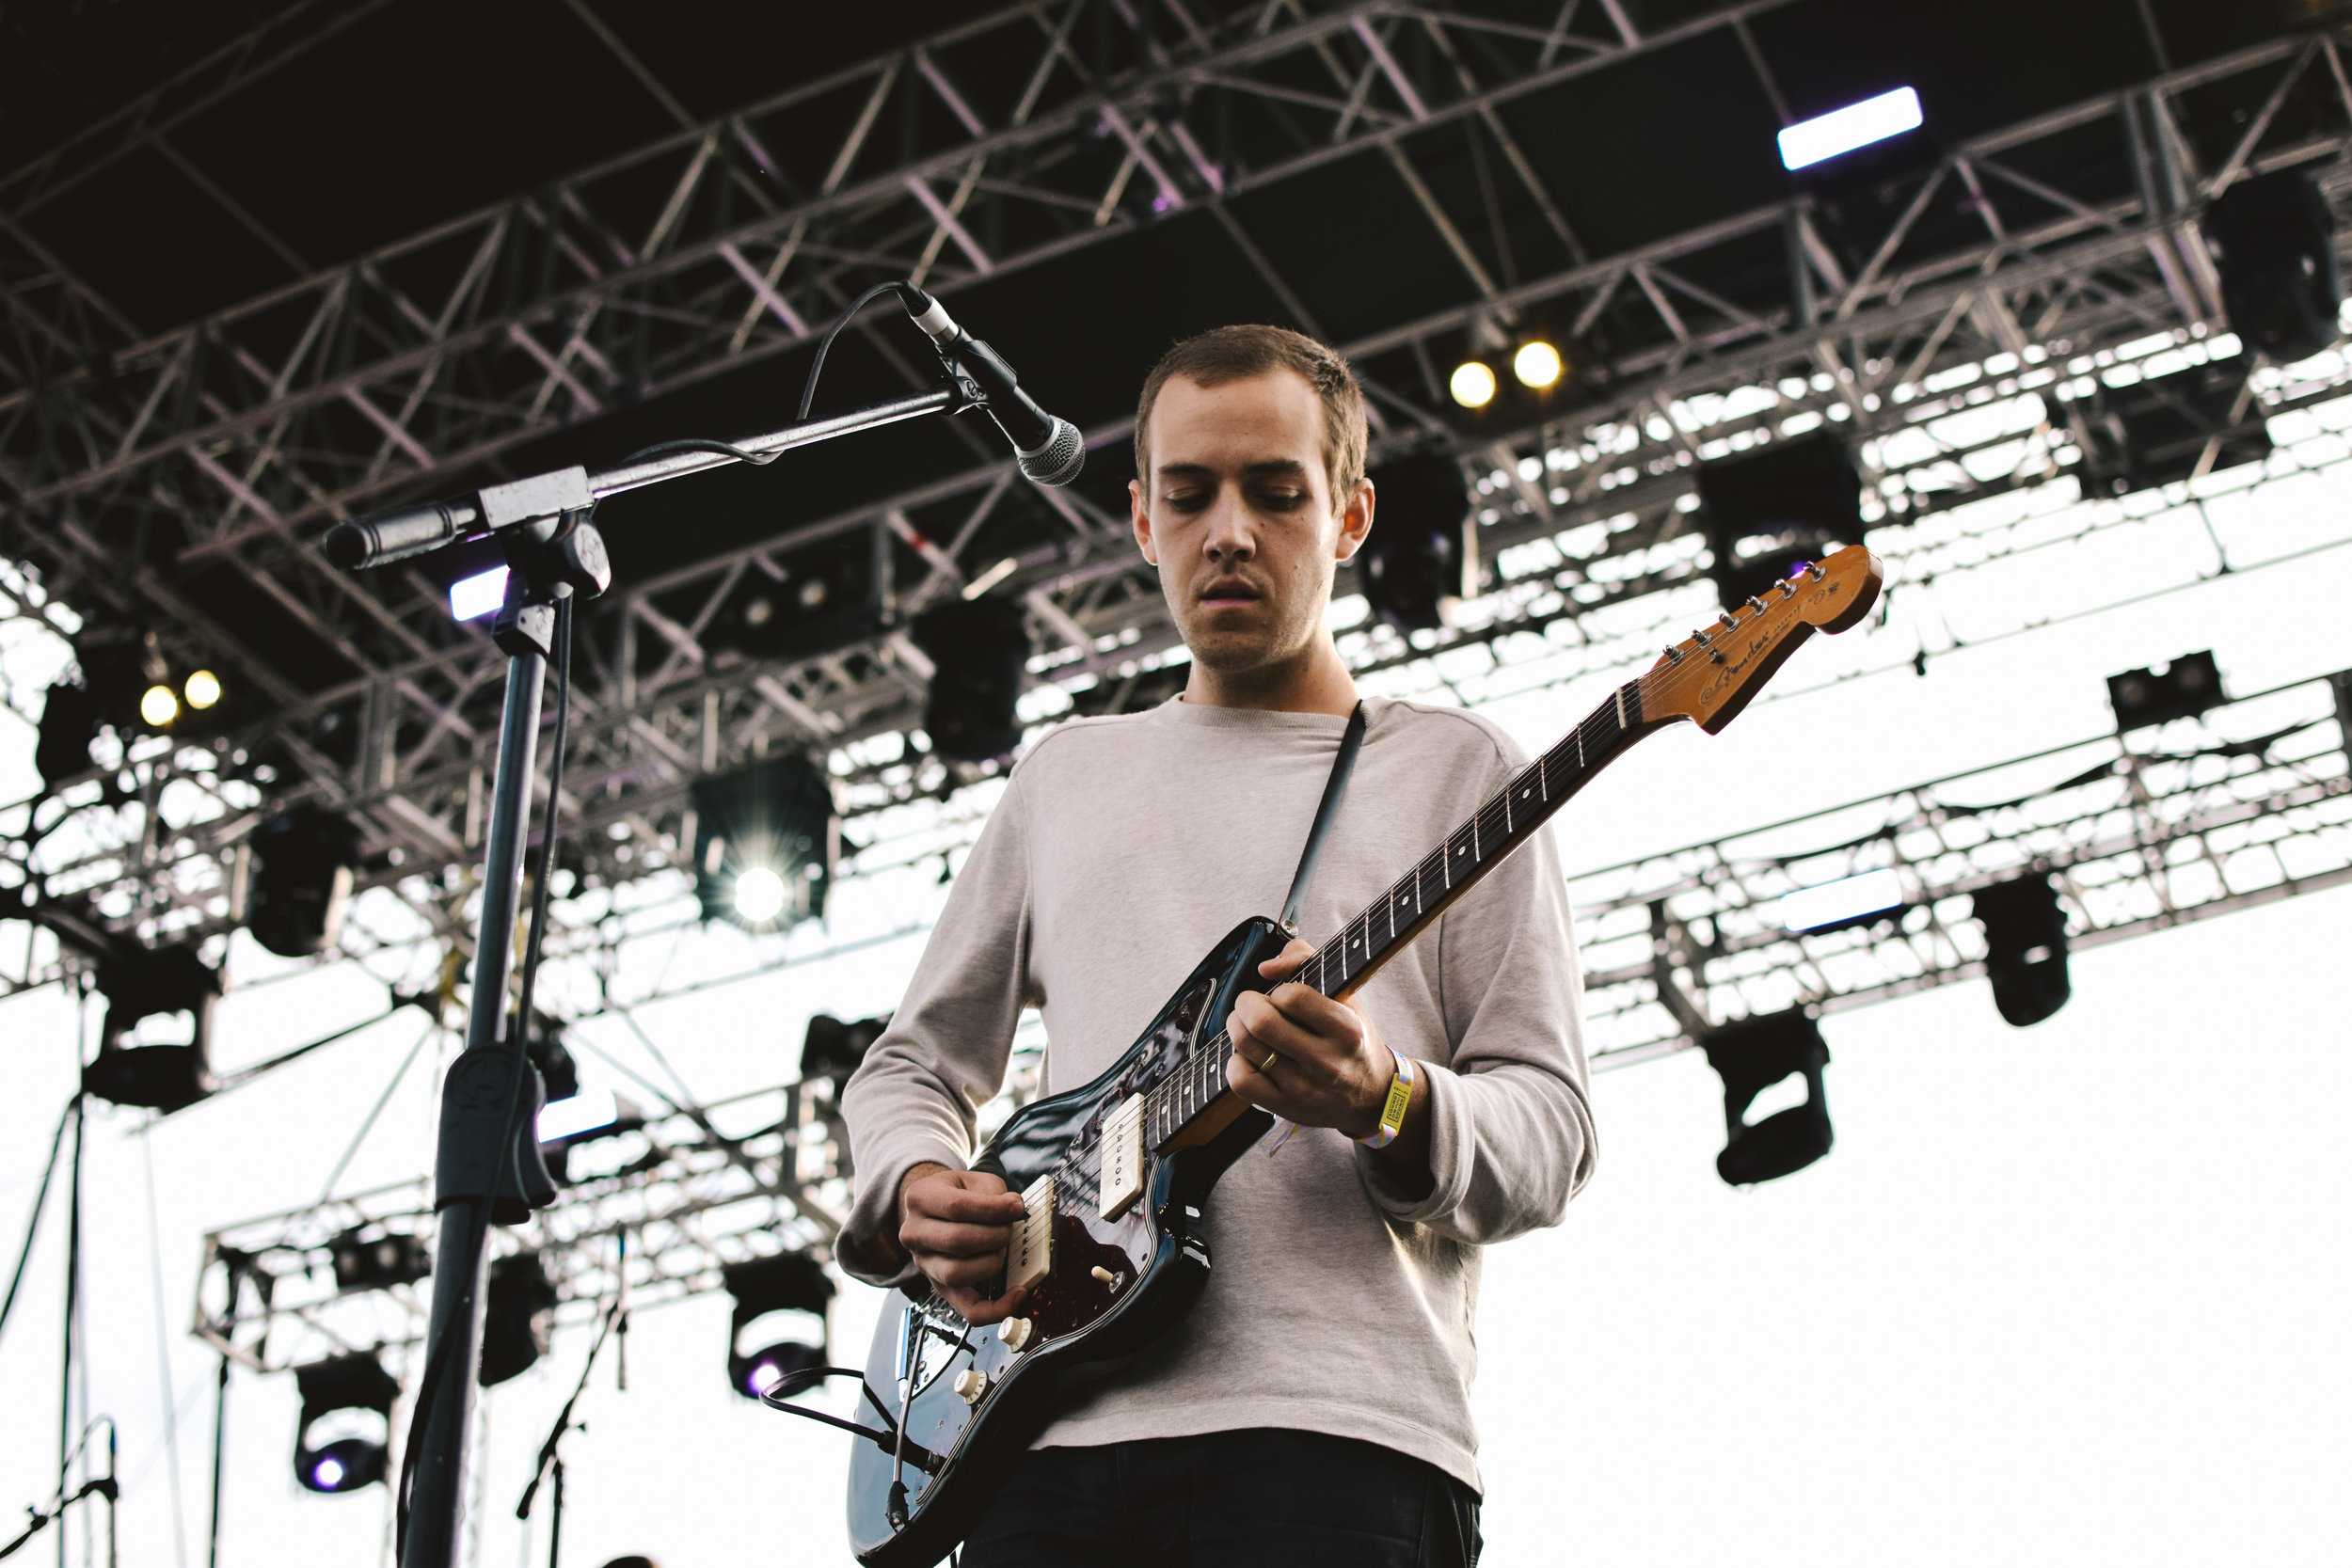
pixel 1195 1093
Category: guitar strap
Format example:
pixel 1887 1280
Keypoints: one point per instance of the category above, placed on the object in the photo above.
pixel 1333 789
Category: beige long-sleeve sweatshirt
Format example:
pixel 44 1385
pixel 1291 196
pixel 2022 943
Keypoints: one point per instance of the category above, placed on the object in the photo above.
pixel 1124 848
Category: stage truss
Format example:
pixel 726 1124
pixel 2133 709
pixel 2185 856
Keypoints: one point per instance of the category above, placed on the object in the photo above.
pixel 2247 805
pixel 2061 287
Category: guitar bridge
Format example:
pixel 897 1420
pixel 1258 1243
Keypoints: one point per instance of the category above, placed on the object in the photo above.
pixel 1031 1255
pixel 1122 1158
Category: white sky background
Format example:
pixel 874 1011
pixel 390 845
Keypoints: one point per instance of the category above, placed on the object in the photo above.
pixel 2068 1294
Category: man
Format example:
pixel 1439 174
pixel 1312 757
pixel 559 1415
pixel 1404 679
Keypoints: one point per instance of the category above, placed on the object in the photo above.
pixel 1314 1405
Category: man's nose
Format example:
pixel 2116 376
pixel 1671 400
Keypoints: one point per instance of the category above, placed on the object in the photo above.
pixel 1232 533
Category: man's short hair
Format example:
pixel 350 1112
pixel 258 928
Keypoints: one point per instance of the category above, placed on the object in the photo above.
pixel 1226 354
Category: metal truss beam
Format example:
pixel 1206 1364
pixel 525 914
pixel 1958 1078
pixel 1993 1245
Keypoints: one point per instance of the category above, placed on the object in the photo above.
pixel 2247 804
pixel 2058 282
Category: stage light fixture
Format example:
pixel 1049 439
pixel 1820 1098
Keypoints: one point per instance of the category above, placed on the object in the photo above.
pixel 202 688
pixel 303 862
pixel 1768 511
pixel 140 983
pixel 69 722
pixel 832 1049
pixel 517 1317
pixel 790 1288
pixel 2281 286
pixel 1751 1055
pixel 345 1422
pixel 482 594
pixel 1472 383
pixel 1841 131
pixel 158 707
pixel 1538 365
pixel 979 652
pixel 369 1258
pixel 2025 941
pixel 2158 695
pixel 759 896
pixel 1420 561
pixel 773 818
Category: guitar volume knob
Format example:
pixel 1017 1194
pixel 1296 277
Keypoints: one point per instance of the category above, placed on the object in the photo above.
pixel 970 1385
pixel 1014 1332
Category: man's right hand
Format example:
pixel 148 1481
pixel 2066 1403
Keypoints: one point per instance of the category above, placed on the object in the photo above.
pixel 956 1224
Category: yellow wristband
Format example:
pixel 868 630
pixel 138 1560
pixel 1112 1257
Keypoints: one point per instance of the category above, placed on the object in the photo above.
pixel 1392 1111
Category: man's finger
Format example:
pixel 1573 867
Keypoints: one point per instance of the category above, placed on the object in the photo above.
pixel 1287 962
pixel 947 1238
pixel 937 1200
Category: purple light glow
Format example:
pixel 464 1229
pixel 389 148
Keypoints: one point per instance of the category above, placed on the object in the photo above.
pixel 327 1474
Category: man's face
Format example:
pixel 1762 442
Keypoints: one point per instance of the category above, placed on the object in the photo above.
pixel 1237 514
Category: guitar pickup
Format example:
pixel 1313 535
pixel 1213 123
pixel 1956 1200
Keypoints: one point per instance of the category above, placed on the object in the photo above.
pixel 1122 1158
pixel 1031 1255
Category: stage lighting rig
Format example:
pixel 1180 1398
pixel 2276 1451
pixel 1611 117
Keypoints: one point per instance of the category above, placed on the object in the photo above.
pixel 2163 693
pixel 369 1258
pixel 832 1049
pixel 765 838
pixel 139 984
pixel 1769 510
pixel 2025 942
pixel 2273 243
pixel 979 654
pixel 1420 559
pixel 345 1423
pixel 517 1318
pixel 1751 1055
pixel 790 1283
pixel 303 863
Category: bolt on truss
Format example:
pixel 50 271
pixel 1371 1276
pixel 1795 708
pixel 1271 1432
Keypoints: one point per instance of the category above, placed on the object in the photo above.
pixel 1862 332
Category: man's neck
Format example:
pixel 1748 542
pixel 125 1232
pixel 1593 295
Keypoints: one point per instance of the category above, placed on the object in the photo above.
pixel 1317 682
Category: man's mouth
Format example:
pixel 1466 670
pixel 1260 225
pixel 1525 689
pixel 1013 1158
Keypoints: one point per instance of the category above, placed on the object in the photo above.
pixel 1230 594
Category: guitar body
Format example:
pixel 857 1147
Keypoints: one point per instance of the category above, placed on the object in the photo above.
pixel 1153 1253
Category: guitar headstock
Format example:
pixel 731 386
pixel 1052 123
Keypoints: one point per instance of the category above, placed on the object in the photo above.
pixel 1710 675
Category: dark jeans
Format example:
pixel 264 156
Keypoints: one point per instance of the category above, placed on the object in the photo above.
pixel 1237 1499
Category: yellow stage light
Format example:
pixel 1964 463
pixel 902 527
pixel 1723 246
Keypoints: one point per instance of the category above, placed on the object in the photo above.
pixel 1473 384
pixel 1536 365
pixel 202 689
pixel 159 707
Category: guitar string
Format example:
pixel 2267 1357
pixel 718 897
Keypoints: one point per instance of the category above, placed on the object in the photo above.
pixel 1081 1166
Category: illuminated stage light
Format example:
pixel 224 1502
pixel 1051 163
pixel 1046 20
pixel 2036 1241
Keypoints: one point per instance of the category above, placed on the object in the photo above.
pixel 759 896
pixel 1538 365
pixel 159 707
pixel 792 1286
pixel 470 598
pixel 1472 383
pixel 1841 131
pixel 201 689
pixel 345 1423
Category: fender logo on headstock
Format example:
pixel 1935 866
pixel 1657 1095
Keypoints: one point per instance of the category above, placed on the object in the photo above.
pixel 1729 670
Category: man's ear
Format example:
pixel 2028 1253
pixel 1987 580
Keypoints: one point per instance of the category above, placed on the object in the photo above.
pixel 1355 522
pixel 1140 519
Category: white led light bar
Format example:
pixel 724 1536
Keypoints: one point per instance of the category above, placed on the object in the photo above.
pixel 1810 909
pixel 1810 141
pixel 478 595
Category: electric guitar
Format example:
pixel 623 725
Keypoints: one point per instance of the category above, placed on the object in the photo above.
pixel 1112 1175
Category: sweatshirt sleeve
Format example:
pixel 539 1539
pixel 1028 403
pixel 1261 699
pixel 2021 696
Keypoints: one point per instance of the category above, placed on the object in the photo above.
pixel 917 1093
pixel 1511 1124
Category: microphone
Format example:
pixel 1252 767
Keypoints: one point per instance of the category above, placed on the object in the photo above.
pixel 397 535
pixel 1050 450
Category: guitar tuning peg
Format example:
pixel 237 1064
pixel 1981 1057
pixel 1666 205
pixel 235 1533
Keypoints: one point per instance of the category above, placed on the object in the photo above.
pixel 1756 604
pixel 1673 653
pixel 1701 639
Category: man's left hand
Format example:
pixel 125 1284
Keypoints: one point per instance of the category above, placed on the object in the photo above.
pixel 1301 1055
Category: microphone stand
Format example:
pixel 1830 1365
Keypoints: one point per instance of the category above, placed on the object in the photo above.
pixel 487 1163
pixel 550 1465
